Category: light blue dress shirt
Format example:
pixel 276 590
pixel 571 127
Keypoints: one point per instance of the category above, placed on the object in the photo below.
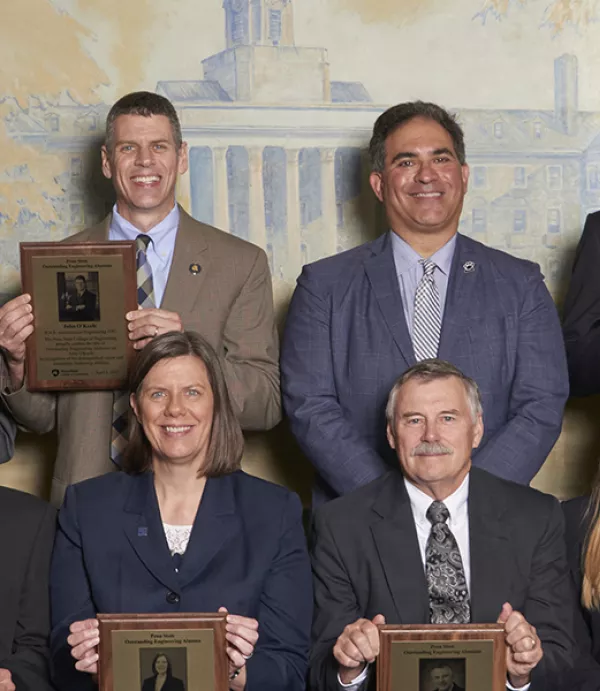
pixel 410 272
pixel 160 249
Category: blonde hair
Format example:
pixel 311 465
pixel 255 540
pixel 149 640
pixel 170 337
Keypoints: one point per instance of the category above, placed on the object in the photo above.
pixel 590 557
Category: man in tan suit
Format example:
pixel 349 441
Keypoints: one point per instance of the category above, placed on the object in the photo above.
pixel 204 280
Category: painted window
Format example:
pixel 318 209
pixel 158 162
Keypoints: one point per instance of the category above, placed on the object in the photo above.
pixel 593 177
pixel 498 130
pixel 554 220
pixel 479 176
pixel 554 177
pixel 479 220
pixel 520 221
pixel 275 26
pixel 520 177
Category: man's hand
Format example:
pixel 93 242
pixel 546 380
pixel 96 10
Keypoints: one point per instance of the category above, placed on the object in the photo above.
pixel 145 324
pixel 84 639
pixel 357 645
pixel 523 647
pixel 6 682
pixel 16 325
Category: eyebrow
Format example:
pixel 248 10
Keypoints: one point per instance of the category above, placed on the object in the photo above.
pixel 412 154
pixel 410 413
pixel 129 141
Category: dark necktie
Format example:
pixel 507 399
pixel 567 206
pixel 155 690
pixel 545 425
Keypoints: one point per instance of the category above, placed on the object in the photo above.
pixel 120 421
pixel 448 590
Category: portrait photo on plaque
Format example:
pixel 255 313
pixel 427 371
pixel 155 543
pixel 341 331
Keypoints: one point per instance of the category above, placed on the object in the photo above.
pixel 164 668
pixel 78 296
pixel 442 674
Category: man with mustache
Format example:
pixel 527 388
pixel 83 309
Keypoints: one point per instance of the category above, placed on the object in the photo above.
pixel 420 290
pixel 440 542
pixel 190 276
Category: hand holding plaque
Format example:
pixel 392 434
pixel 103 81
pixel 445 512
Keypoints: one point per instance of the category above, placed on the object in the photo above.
pixel 523 647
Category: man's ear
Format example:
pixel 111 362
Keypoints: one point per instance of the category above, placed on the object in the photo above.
pixel 106 166
pixel 478 432
pixel 376 182
pixel 390 436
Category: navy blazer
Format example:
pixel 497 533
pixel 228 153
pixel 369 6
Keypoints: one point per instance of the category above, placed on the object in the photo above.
pixel 346 342
pixel 247 552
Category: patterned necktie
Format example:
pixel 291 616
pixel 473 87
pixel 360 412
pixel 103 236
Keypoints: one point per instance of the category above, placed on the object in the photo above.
pixel 120 413
pixel 427 322
pixel 448 590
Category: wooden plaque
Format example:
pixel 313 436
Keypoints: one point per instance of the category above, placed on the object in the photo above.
pixel 418 657
pixel 80 294
pixel 134 647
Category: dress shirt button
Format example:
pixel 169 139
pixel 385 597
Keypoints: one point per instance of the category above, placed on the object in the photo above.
pixel 172 598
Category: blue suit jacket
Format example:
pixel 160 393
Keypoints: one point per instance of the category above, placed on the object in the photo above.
pixel 247 552
pixel 346 341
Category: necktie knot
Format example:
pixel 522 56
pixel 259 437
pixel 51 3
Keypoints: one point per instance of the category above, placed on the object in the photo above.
pixel 437 513
pixel 142 241
pixel 428 267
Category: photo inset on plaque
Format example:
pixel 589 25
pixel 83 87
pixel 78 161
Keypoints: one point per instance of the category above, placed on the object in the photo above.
pixel 442 674
pixel 78 296
pixel 164 669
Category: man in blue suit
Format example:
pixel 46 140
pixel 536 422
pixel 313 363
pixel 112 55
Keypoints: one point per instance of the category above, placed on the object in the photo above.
pixel 356 319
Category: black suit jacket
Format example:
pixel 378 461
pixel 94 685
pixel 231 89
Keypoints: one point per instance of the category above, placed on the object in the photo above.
pixel 366 561
pixel 171 684
pixel 581 321
pixel 26 535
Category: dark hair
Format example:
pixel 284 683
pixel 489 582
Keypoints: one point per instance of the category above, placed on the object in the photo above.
pixel 389 121
pixel 430 370
pixel 169 670
pixel 144 103
pixel 226 443
pixel 81 278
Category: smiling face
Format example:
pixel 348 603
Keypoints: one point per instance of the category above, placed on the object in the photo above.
pixel 442 678
pixel 433 433
pixel 143 166
pixel 175 409
pixel 422 185
pixel 79 285
pixel 161 664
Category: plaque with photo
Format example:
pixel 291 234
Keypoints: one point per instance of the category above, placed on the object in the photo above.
pixel 80 294
pixel 469 657
pixel 186 650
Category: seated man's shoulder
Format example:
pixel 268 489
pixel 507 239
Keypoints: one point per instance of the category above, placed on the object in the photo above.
pixel 20 505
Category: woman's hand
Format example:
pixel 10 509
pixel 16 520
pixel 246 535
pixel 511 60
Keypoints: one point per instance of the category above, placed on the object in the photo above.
pixel 84 639
pixel 242 636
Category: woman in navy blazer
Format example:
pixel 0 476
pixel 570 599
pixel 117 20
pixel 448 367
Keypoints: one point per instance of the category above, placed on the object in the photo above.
pixel 122 543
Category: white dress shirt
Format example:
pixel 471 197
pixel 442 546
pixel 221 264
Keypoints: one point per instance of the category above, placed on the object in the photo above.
pixel 458 522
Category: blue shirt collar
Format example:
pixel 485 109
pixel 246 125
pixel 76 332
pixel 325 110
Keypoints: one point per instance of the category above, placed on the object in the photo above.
pixel 406 258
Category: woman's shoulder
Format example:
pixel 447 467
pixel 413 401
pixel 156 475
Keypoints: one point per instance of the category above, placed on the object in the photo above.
pixel 262 493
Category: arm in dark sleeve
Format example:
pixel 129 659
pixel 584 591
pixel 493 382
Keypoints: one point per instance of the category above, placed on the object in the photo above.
pixel 8 432
pixel 538 395
pixel 342 457
pixel 251 361
pixel 549 604
pixel 70 596
pixel 581 319
pixel 336 606
pixel 285 612
pixel 28 662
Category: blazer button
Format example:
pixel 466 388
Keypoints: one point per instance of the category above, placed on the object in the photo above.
pixel 172 598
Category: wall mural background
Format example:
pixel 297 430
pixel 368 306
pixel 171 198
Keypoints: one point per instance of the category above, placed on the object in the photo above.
pixel 277 99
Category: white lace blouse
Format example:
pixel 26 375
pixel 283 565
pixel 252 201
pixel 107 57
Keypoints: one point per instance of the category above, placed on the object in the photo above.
pixel 178 537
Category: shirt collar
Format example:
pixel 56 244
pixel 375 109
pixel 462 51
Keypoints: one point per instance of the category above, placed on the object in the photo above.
pixel 406 258
pixel 456 503
pixel 161 235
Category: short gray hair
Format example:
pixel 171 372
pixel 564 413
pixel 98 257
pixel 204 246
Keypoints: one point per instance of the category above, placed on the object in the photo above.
pixel 432 370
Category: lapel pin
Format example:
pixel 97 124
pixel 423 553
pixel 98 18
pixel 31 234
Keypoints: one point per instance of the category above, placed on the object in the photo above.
pixel 469 267
pixel 142 532
pixel 195 269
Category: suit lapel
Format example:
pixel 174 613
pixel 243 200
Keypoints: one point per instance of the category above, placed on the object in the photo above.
pixel 144 530
pixel 183 286
pixel 381 272
pixel 215 525
pixel 395 537
pixel 465 274
pixel 489 549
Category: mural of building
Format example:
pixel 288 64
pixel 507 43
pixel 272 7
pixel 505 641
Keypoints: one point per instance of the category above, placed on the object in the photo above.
pixel 277 154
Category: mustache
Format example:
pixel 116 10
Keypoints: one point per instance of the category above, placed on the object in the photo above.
pixel 433 448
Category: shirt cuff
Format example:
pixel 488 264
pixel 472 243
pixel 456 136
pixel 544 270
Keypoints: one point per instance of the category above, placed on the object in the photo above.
pixel 517 688
pixel 357 683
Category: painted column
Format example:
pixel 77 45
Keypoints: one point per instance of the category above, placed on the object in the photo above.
pixel 294 239
pixel 328 241
pixel 258 233
pixel 221 203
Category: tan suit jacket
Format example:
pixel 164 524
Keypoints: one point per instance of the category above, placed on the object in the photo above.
pixel 229 302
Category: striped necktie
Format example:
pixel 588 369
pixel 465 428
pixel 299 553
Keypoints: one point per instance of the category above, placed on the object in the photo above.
pixel 120 416
pixel 427 321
